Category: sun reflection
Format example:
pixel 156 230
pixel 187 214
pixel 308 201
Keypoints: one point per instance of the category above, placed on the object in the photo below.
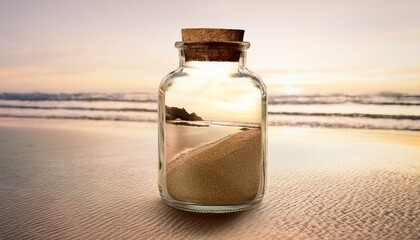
pixel 215 91
pixel 290 90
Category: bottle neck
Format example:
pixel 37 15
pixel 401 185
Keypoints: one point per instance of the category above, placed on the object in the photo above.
pixel 240 63
pixel 211 53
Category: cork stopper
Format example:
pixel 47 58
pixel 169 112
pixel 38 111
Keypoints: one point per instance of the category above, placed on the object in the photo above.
pixel 212 35
pixel 212 44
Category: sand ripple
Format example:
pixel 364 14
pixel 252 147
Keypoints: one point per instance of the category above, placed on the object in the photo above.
pixel 58 184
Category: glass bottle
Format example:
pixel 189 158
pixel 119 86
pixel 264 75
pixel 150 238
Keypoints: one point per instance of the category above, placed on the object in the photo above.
pixel 212 126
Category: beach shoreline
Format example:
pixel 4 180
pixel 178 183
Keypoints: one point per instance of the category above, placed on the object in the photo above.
pixel 84 179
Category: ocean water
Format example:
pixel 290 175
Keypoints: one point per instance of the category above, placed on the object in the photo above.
pixel 395 111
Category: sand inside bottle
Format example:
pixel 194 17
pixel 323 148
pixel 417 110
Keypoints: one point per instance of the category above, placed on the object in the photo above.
pixel 214 165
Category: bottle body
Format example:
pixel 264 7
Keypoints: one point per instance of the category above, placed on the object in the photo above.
pixel 212 137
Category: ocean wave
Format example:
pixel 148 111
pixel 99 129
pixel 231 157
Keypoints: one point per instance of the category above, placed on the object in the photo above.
pixel 365 99
pixel 93 109
pixel 311 102
pixel 142 107
pixel 350 115
pixel 214 123
pixel 79 108
pixel 94 118
pixel 87 97
pixel 313 124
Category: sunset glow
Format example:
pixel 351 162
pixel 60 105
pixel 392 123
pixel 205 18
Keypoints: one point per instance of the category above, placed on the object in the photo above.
pixel 106 46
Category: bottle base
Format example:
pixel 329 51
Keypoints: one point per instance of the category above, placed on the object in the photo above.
pixel 200 208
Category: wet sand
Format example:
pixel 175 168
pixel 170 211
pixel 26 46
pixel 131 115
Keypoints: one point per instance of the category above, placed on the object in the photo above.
pixel 62 180
pixel 183 138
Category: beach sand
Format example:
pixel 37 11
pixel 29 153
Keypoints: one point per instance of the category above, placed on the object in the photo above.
pixel 85 180
pixel 224 172
pixel 183 138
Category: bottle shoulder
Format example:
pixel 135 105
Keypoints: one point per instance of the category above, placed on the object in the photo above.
pixel 167 80
pixel 245 72
pixel 186 77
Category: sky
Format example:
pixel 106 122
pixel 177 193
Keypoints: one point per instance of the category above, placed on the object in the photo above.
pixel 297 47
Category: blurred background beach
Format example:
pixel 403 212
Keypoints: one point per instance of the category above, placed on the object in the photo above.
pixel 330 64
pixel 78 112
